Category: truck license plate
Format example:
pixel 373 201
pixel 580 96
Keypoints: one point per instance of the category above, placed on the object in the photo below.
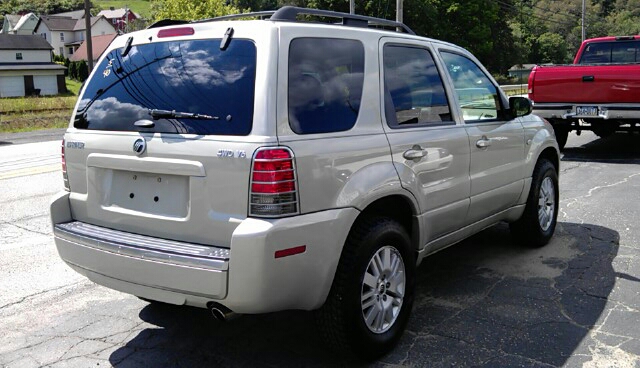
pixel 586 111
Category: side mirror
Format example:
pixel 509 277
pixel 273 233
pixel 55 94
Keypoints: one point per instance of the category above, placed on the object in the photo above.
pixel 520 106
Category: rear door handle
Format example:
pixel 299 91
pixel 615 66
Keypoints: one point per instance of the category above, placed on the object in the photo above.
pixel 483 143
pixel 588 78
pixel 414 153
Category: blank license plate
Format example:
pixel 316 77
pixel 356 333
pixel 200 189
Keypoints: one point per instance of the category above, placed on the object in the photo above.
pixel 586 111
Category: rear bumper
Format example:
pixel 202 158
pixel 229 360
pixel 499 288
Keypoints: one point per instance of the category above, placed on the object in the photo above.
pixel 246 278
pixel 605 111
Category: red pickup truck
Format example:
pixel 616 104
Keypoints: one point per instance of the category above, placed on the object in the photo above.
pixel 600 91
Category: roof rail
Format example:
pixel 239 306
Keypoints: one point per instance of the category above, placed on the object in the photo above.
pixel 290 14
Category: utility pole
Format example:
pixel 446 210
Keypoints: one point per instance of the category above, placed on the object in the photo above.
pixel 87 23
pixel 399 11
pixel 584 11
pixel 352 6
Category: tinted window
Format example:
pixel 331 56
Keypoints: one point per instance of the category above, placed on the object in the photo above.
pixel 624 52
pixel 414 93
pixel 595 53
pixel 325 84
pixel 185 76
pixel 477 96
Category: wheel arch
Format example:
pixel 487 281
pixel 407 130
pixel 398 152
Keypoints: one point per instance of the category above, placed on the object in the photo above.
pixel 550 154
pixel 398 207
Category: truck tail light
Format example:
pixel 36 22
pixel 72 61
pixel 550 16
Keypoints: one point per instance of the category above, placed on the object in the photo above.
pixel 530 83
pixel 65 177
pixel 273 191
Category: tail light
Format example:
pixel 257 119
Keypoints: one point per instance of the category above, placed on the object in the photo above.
pixel 65 177
pixel 532 76
pixel 274 191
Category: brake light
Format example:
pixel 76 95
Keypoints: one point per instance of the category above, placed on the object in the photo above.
pixel 65 177
pixel 175 32
pixel 532 76
pixel 273 183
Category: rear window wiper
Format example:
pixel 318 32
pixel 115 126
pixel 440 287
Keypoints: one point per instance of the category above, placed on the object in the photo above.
pixel 169 114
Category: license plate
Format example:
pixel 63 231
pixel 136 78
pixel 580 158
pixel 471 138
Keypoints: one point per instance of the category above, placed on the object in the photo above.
pixel 586 111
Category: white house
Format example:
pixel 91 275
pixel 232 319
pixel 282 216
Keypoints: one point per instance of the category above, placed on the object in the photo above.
pixel 26 67
pixel 21 25
pixel 65 34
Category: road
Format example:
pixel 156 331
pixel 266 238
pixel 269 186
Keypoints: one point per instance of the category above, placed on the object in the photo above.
pixel 485 302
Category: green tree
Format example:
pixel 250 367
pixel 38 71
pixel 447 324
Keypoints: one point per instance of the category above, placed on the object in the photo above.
pixel 553 48
pixel 73 70
pixel 190 10
pixel 82 70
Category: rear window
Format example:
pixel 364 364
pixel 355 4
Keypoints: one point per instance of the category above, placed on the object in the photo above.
pixel 189 87
pixel 325 84
pixel 611 52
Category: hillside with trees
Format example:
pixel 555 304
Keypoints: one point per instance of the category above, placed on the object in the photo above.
pixel 500 33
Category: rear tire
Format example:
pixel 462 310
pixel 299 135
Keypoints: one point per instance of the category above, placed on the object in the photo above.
pixel 373 290
pixel 562 134
pixel 538 222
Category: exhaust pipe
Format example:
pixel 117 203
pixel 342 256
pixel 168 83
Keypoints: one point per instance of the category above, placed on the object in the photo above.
pixel 220 312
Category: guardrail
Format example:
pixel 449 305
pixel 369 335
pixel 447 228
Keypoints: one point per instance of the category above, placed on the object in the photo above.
pixel 514 89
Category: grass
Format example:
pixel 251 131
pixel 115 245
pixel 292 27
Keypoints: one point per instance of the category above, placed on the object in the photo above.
pixel 73 86
pixel 142 7
pixel 25 114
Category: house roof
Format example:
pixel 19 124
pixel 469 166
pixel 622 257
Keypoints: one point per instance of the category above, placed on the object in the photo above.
pixel 13 19
pixel 55 23
pixel 117 13
pixel 98 45
pixel 31 66
pixel 23 42
pixel 76 14
pixel 522 67
pixel 81 25
pixel 24 20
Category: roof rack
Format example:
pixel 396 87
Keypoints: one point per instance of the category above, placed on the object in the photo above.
pixel 290 14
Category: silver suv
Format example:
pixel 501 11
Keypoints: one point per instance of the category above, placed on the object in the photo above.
pixel 252 166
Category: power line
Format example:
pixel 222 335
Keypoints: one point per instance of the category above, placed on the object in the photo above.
pixel 502 3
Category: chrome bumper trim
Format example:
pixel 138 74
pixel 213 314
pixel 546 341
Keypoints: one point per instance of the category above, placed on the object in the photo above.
pixel 144 247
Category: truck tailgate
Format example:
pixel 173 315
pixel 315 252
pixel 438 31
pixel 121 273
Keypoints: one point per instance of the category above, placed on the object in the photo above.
pixel 597 84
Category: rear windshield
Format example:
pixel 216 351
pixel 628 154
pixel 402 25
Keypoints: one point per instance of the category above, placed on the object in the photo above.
pixel 611 52
pixel 189 87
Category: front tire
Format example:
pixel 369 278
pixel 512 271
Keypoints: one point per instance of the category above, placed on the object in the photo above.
pixel 373 290
pixel 538 222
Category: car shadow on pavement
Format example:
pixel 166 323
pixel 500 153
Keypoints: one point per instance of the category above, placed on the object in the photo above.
pixel 618 148
pixel 484 302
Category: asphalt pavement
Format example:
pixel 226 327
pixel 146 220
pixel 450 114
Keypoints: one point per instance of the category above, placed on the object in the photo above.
pixel 486 302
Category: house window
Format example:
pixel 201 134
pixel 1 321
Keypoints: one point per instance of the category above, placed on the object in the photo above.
pixel 61 49
pixel 44 35
pixel 70 50
pixel 61 36
pixel 18 56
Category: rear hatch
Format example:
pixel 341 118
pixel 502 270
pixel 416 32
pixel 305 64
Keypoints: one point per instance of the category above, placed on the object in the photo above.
pixel 162 141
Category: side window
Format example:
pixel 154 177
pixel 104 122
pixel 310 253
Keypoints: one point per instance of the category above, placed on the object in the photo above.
pixel 594 53
pixel 325 84
pixel 478 97
pixel 414 93
pixel 625 52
